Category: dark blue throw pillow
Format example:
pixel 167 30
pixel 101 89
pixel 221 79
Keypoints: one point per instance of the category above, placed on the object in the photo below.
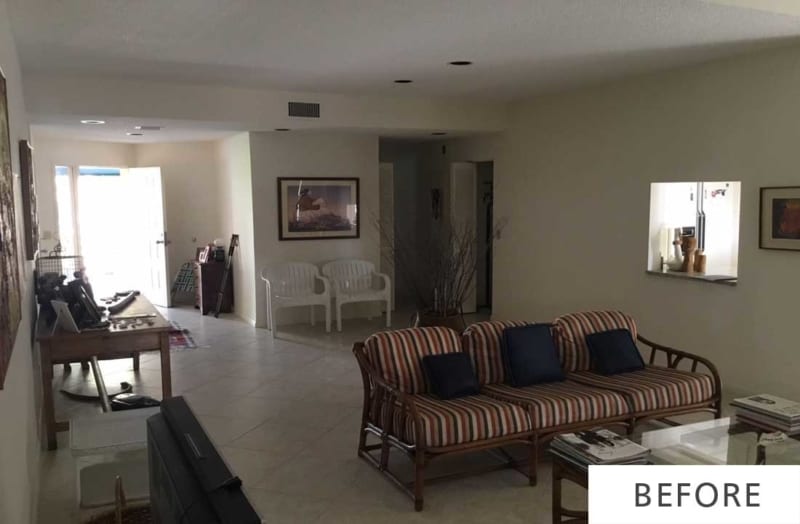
pixel 530 356
pixel 614 352
pixel 451 375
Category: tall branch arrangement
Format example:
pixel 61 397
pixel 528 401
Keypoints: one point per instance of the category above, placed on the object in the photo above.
pixel 439 267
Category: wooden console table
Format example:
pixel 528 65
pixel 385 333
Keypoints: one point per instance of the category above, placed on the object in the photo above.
pixel 61 347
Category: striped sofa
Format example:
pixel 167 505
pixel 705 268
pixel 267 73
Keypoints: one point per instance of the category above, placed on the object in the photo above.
pixel 556 405
pixel 654 392
pixel 659 390
pixel 587 399
pixel 400 411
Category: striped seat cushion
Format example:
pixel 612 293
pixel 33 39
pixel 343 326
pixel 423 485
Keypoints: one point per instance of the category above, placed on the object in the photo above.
pixel 654 387
pixel 397 355
pixel 570 333
pixel 483 342
pixel 462 420
pixel 559 403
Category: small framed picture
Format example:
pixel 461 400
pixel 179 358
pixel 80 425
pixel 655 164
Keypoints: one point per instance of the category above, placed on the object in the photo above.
pixel 780 218
pixel 317 208
pixel 30 216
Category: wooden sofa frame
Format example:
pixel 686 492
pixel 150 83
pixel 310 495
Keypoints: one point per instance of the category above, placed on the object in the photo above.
pixel 674 358
pixel 380 395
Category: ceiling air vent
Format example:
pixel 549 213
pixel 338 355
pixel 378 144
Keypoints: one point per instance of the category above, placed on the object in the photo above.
pixel 304 109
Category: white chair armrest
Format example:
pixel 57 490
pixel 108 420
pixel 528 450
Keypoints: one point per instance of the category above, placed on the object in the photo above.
pixel 387 282
pixel 326 284
pixel 267 282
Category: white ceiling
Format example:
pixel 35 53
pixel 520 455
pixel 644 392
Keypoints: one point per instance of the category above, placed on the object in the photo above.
pixel 520 47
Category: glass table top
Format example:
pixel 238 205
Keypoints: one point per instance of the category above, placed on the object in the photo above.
pixel 722 441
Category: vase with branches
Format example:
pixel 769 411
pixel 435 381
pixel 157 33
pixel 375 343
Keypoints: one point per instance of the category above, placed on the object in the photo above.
pixel 437 267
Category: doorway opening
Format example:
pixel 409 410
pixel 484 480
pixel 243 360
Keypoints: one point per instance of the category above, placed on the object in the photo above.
pixel 471 194
pixel 484 207
pixel 114 218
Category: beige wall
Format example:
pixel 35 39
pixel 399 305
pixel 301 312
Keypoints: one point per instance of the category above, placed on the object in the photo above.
pixel 312 154
pixel 19 438
pixel 236 206
pixel 574 179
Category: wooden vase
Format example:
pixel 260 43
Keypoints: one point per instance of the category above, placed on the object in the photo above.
pixel 689 257
pixel 700 262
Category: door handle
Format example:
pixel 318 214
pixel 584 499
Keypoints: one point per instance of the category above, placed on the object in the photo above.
pixel 165 241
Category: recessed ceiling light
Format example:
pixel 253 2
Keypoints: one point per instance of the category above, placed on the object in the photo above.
pixel 147 128
pixel 135 134
pixel 438 133
pixel 93 122
pixel 403 81
pixel 282 129
pixel 460 63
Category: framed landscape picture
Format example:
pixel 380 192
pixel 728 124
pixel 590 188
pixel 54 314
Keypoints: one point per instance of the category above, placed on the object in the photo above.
pixel 317 208
pixel 780 218
pixel 29 213
pixel 10 312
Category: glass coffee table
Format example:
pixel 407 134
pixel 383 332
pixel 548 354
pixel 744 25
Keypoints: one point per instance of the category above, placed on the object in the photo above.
pixel 716 442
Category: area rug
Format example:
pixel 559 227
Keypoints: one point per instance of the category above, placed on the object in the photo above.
pixel 180 339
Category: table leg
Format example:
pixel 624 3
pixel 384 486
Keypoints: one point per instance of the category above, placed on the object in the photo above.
pixel 102 392
pixel 166 368
pixel 135 361
pixel 556 493
pixel 47 396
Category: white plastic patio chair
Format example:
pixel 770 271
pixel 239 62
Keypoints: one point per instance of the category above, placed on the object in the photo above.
pixel 294 284
pixel 354 281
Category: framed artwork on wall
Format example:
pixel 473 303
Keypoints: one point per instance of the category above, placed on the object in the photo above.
pixel 317 208
pixel 29 212
pixel 780 218
pixel 10 313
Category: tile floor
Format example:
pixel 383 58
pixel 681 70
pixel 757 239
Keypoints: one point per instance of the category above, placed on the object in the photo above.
pixel 285 415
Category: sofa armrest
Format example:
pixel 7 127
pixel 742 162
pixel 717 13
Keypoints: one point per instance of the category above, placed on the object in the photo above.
pixel 676 356
pixel 382 398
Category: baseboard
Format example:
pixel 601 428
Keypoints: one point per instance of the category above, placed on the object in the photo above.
pixel 248 320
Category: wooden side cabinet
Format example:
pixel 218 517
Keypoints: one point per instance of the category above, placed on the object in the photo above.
pixel 209 277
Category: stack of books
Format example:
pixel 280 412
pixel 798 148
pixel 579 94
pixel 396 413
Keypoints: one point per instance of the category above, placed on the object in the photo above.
pixel 598 447
pixel 769 412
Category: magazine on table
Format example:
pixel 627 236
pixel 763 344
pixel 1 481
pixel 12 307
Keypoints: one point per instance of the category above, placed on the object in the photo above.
pixel 770 405
pixel 583 465
pixel 600 446
pixel 763 422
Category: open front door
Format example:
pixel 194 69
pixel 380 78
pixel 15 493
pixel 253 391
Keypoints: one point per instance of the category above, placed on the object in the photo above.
pixel 463 180
pixel 149 240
